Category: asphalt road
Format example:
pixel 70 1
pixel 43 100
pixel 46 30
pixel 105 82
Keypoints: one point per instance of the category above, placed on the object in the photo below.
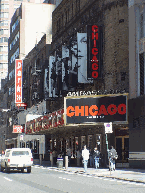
pixel 42 180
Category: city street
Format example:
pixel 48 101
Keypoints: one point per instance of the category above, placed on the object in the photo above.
pixel 46 179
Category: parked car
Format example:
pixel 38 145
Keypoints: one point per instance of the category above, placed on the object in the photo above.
pixel 17 158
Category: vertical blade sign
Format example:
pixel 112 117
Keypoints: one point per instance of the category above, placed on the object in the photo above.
pixel 18 80
pixel 93 51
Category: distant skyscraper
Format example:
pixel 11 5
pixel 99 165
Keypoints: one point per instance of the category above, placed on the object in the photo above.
pixel 7 9
pixel 28 24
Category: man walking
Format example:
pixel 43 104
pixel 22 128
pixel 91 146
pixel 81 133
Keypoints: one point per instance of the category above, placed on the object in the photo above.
pixel 85 155
pixel 96 157
pixel 91 158
pixel 78 157
pixel 112 157
pixel 68 151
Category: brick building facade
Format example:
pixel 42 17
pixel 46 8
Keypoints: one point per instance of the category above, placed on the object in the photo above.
pixel 69 19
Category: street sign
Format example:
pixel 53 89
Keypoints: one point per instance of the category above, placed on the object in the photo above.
pixel 21 137
pixel 18 129
pixel 108 127
pixel 21 104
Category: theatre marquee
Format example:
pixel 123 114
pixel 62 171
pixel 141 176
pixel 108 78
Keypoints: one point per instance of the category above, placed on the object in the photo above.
pixel 96 109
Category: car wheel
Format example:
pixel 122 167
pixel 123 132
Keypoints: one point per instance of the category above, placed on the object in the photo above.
pixel 29 170
pixel 7 169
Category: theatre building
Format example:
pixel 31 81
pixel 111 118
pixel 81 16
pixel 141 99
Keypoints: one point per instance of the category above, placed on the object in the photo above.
pixel 136 84
pixel 88 79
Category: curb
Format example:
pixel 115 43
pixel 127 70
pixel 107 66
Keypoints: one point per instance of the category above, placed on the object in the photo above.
pixel 111 177
pixel 130 180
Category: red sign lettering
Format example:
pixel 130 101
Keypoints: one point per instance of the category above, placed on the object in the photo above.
pixel 94 52
pixel 93 110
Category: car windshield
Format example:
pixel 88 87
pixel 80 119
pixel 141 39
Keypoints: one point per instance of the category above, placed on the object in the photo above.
pixel 20 153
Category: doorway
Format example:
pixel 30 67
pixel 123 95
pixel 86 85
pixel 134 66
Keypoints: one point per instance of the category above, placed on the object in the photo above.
pixel 122 148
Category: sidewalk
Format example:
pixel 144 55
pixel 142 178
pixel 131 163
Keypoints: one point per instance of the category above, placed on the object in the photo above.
pixel 128 174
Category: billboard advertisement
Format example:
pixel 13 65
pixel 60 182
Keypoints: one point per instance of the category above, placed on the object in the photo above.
pixel 18 80
pixel 95 109
pixel 94 51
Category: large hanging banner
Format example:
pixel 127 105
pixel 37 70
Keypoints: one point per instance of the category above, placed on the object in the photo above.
pixel 82 57
pixel 18 80
pixel 51 74
pixel 94 51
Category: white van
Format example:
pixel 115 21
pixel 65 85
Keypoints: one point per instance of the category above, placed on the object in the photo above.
pixel 17 158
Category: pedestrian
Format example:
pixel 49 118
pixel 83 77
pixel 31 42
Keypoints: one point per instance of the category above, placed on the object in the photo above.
pixel 91 158
pixel 78 153
pixel 85 155
pixel 54 155
pixel 112 157
pixel 96 157
pixel 68 151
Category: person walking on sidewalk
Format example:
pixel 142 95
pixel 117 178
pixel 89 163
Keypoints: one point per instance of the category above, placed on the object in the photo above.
pixel 54 155
pixel 112 157
pixel 68 151
pixel 78 153
pixel 91 158
pixel 96 157
pixel 85 155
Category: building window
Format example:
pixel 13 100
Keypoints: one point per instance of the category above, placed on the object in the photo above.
pixel 4 6
pixel 4 57
pixel 3 31
pixel 141 26
pixel 83 141
pixel 59 23
pixel 77 5
pixel 4 15
pixel 72 9
pixel 123 75
pixel 141 61
pixel 68 15
pixel 3 48
pixel 3 39
pixel 4 23
pixel 15 55
pixel 62 20
pixel 90 141
pixel 1 66
pixel 11 74
pixel 15 25
pixel 14 40
pixel 65 17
